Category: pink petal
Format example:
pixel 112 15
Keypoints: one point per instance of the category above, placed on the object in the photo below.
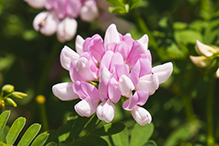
pixel 74 74
pixel 126 86
pixel 79 44
pixel 142 96
pixel 106 60
pixel 114 91
pixel 78 90
pixel 142 67
pixel 130 103
pixel 36 3
pixel 90 90
pixel 64 91
pixel 86 108
pixel 141 115
pixel 144 41
pixel 106 111
pixel 121 69
pixel 148 83
pixel 67 56
pixel 163 71
pixel 66 29
pixel 89 11
pixel 111 35
pixel 104 78
pixel 73 8
pixel 116 59
pixel 94 45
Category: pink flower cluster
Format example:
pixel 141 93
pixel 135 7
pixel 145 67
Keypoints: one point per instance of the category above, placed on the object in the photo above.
pixel 60 16
pixel 103 71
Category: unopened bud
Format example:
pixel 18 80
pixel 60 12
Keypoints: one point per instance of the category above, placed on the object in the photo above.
pixel 9 101
pixel 201 61
pixel 18 94
pixel 206 50
pixel 8 88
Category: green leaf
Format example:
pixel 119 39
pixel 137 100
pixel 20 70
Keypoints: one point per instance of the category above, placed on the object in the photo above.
pixel 29 135
pixel 109 129
pixel 79 143
pixel 92 140
pixel 92 123
pixel 3 144
pixel 141 134
pixel 64 131
pixel 150 143
pixel 15 130
pixel 118 10
pixel 79 126
pixel 3 120
pixel 134 3
pixel 40 139
pixel 3 134
pixel 51 144
pixel 115 2
pixel 187 36
pixel 121 138
pixel 179 25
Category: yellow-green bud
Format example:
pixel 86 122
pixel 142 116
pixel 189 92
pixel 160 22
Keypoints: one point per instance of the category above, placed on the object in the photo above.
pixel 2 103
pixel 9 101
pixel 18 94
pixel 8 88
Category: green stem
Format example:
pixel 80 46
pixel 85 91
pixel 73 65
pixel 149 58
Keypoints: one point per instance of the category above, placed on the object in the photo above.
pixel 210 133
pixel 143 27
pixel 43 80
pixel 188 108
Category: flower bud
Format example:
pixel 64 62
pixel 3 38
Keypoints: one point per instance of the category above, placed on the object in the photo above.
pixel 206 50
pixel 9 101
pixel 141 115
pixel 8 88
pixel 18 94
pixel 201 61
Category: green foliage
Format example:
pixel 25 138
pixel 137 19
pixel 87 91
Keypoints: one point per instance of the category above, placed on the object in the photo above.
pixel 122 6
pixel 9 136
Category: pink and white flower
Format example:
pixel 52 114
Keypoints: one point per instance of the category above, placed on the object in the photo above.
pixel 60 16
pixel 103 71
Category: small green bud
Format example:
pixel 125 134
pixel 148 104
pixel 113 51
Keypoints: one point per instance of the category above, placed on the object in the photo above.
pixel 18 94
pixel 8 88
pixel 9 101
pixel 2 103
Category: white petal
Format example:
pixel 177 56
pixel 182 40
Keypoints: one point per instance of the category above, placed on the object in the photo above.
pixel 148 83
pixel 46 23
pixel 36 3
pixel 67 56
pixel 67 29
pixel 141 115
pixel 144 41
pixel 86 108
pixel 105 75
pixel 79 44
pixel 64 91
pixel 163 71
pixel 106 111
pixel 89 11
pixel 206 50
pixel 217 73
pixel 111 35
pixel 126 86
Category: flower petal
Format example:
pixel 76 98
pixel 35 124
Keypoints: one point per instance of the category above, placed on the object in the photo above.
pixel 89 11
pixel 114 91
pixel 36 3
pixel 201 61
pixel 111 35
pixel 86 108
pixel 206 50
pixel 144 41
pixel 141 115
pixel 66 29
pixel 126 86
pixel 163 71
pixel 79 44
pixel 130 103
pixel 106 111
pixel 64 91
pixel 67 56
pixel 148 83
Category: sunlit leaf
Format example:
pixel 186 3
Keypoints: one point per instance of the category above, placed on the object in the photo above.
pixel 15 130
pixel 29 135
pixel 3 120
pixel 141 134
pixel 4 134
pixel 40 139
pixel 121 138
pixel 150 143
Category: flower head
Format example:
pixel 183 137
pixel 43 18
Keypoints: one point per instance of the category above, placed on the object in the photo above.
pixel 104 70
